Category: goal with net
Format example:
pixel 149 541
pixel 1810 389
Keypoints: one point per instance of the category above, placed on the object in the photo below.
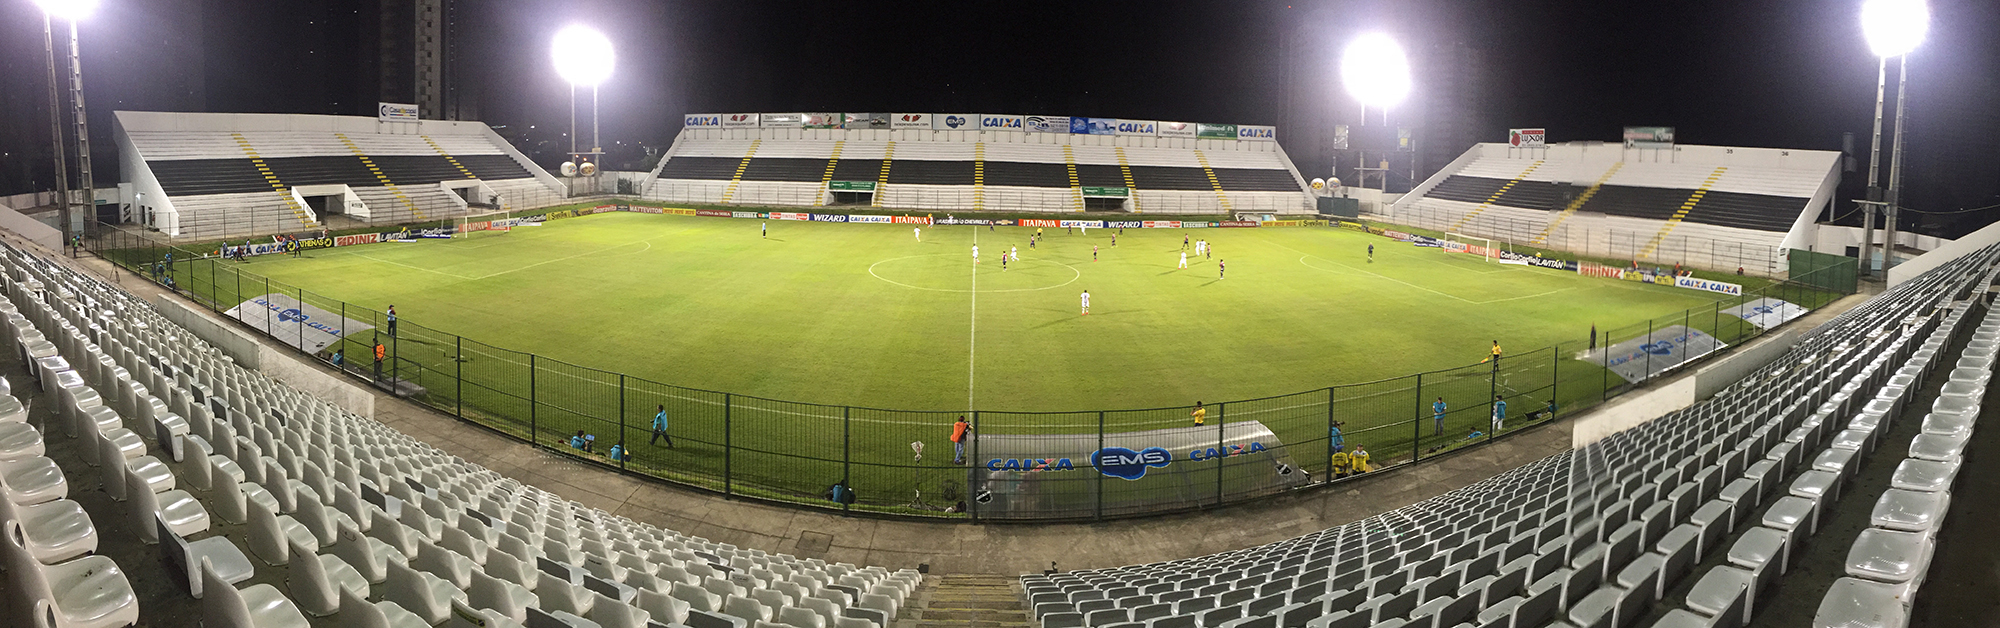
pixel 483 222
pixel 1461 243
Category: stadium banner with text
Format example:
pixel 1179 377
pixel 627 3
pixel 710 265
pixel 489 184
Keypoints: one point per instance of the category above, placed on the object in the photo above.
pixel 1649 137
pixel 790 216
pixel 284 318
pixel 1257 133
pixel 954 121
pixel 1106 192
pixel 868 218
pixel 1138 127
pixel 1537 260
pixel 1177 129
pixel 994 122
pixel 1215 131
pixel 851 186
pixel 1527 138
pixel 910 121
pixel 1034 476
pixel 677 211
pixel 1709 285
pixel 963 221
pixel 395 112
pixel 1196 224
pixel 1087 224
pixel 1595 269
pixel 912 220
pixel 829 217
pixel 721 213
pixel 1126 224
pixel 1038 222
pixel 819 120
pixel 1047 124
pixel 1093 126
pixel 782 120
pixel 1285 223
pixel 740 121
pixel 1241 223
pixel 1766 313
pixel 1647 356
pixel 1163 224
pixel 702 121
pixel 865 121
pixel 745 215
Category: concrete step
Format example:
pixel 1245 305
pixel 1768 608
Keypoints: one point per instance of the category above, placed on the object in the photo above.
pixel 968 601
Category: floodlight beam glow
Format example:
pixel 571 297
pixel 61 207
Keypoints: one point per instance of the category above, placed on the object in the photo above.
pixel 71 10
pixel 1894 27
pixel 1375 70
pixel 582 55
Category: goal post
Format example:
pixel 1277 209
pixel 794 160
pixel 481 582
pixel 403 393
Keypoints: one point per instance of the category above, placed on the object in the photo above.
pixel 469 224
pixel 1461 243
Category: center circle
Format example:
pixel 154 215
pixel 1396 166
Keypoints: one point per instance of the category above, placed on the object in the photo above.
pixel 954 273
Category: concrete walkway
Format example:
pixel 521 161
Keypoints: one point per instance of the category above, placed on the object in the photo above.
pixel 950 547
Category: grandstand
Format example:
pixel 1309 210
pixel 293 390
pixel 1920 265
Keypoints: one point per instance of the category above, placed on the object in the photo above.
pixel 202 175
pixel 1003 168
pixel 1704 206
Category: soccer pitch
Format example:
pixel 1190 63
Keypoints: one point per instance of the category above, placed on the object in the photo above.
pixel 868 315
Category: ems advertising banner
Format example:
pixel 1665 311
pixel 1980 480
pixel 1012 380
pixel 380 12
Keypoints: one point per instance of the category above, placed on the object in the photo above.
pixel 395 112
pixel 1177 129
pixel 1215 131
pixel 1093 126
pixel 740 121
pixel 995 122
pixel 819 120
pixel 1649 137
pixel 782 120
pixel 1644 357
pixel 954 121
pixel 1045 475
pixel 702 121
pixel 1766 313
pixel 1138 127
pixel 1257 133
pixel 910 121
pixel 1527 138
pixel 282 317
pixel 1048 124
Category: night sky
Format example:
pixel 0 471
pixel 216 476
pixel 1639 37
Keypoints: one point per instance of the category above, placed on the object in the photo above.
pixel 1774 73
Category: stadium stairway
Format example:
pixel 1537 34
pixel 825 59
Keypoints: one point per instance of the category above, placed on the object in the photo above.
pixel 968 601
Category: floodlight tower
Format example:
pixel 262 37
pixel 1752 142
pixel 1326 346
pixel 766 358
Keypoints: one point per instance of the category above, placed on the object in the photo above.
pixel 1377 73
pixel 582 57
pixel 1893 28
pixel 71 11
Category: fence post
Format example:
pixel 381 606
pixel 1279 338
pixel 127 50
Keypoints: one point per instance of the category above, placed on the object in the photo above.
pixel 1416 431
pixel 847 451
pixel 267 311
pixel 302 322
pixel 977 431
pixel 625 450
pixel 1099 477
pixel 1329 427
pixel 458 359
pixel 1604 378
pixel 1493 392
pixel 1221 445
pixel 728 447
pixel 1555 373
pixel 534 428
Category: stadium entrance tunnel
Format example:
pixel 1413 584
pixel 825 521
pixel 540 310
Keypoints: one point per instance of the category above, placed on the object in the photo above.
pixel 328 200
pixel 1095 204
pixel 842 197
pixel 954 273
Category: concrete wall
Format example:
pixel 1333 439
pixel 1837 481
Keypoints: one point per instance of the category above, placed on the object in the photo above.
pixel 1681 391
pixel 280 364
pixel 235 343
pixel 1938 257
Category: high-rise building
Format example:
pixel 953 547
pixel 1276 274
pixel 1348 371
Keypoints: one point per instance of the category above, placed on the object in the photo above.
pixel 416 61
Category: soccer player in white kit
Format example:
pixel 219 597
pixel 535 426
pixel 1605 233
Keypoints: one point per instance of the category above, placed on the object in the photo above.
pixel 1183 259
pixel 1016 252
pixel 975 253
pixel 1086 303
pixel 918 232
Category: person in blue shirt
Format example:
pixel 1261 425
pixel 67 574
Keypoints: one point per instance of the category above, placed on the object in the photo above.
pixel 619 453
pixel 392 320
pixel 1334 441
pixel 1499 414
pixel 581 442
pixel 1437 417
pixel 660 428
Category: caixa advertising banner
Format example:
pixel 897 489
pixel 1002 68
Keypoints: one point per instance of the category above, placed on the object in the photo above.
pixel 1645 357
pixel 1043 476
pixel 286 319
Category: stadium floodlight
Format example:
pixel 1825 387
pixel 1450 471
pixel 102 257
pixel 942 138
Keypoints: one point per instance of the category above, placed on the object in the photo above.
pixel 1894 27
pixel 1375 71
pixel 582 55
pixel 71 10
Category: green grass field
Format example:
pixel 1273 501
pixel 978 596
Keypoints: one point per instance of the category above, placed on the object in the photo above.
pixel 868 316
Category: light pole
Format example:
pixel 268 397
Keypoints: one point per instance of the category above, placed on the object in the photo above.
pixel 583 57
pixel 1376 72
pixel 1893 28
pixel 71 11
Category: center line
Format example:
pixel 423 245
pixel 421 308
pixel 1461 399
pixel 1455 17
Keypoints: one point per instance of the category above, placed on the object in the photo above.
pixel 972 333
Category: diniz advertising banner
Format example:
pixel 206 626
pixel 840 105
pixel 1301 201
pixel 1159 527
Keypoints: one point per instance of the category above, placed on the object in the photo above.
pixel 783 120
pixel 740 121
pixel 1177 129
pixel 910 121
pixel 1048 124
pixel 954 122
pixel 1645 357
pixel 301 325
pixel 1055 475
pixel 1527 138
pixel 1766 313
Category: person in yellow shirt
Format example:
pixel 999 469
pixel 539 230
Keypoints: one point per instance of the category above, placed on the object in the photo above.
pixel 1495 359
pixel 1338 464
pixel 1359 460
pixel 1200 414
